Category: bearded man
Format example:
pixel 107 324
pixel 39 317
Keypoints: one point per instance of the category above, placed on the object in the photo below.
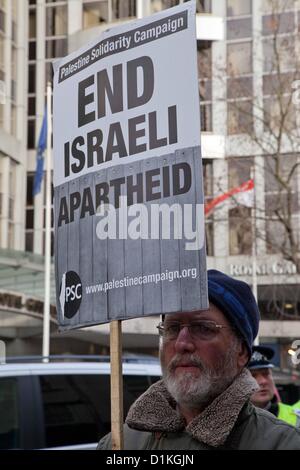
pixel 203 399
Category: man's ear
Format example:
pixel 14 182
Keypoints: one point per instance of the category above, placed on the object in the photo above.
pixel 243 355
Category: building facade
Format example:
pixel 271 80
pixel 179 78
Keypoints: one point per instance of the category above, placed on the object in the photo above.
pixel 237 66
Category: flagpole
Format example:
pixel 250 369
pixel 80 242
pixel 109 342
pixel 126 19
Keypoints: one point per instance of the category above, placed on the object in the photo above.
pixel 46 322
pixel 254 251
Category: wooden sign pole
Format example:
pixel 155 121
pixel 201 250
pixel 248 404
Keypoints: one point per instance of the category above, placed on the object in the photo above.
pixel 116 385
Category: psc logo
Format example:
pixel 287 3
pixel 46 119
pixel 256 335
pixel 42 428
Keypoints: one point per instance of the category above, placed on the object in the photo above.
pixel 70 294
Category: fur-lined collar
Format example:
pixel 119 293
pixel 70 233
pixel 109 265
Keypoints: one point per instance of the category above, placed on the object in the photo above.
pixel 155 411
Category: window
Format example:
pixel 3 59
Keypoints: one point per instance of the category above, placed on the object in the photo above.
pixel 208 195
pixel 274 84
pixel 29 194
pixel 11 235
pixel 77 407
pixel 14 31
pixel 239 117
pixel 29 233
pixel 239 68
pixel 240 231
pixel 29 218
pixel 31 78
pixel 271 6
pixel 204 59
pixel 203 6
pixel 239 28
pixel 1 52
pixel 279 114
pixel 102 11
pixel 14 9
pixel 31 133
pixel 206 117
pixel 29 241
pixel 208 179
pixel 277 238
pixel 31 106
pixel 278 23
pixel 158 5
pixel 239 170
pixel 13 120
pixel 123 9
pixel 95 13
pixel 239 58
pixel 241 87
pixel 281 201
pixel 14 90
pixel 32 24
pixel 56 48
pixel 279 52
pixel 279 301
pixel 9 423
pixel 14 62
pixel 32 50
pixel 281 177
pixel 2 21
pixel 238 7
pixel 12 192
pixel 240 227
pixel 56 21
pixel 285 166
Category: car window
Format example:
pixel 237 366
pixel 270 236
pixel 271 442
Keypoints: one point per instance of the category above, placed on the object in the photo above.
pixel 77 407
pixel 9 415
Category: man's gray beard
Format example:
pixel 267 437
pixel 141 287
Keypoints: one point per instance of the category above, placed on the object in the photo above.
pixel 193 391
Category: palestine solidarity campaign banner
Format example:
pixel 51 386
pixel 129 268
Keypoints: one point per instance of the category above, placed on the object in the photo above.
pixel 128 194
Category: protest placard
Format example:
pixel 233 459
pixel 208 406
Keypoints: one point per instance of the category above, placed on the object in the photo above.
pixel 128 194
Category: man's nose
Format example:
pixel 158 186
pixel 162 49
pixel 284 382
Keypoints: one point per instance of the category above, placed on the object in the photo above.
pixel 261 380
pixel 184 341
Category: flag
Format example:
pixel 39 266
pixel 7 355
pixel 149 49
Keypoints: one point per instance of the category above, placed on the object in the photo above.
pixel 243 195
pixel 42 144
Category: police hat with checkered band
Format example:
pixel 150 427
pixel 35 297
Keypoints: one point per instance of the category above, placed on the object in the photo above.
pixel 260 358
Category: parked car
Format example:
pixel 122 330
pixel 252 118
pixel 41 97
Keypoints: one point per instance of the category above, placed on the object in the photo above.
pixel 65 404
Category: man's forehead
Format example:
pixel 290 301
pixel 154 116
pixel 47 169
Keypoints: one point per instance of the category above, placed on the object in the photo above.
pixel 213 313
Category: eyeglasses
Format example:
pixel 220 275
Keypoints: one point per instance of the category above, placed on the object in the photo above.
pixel 202 329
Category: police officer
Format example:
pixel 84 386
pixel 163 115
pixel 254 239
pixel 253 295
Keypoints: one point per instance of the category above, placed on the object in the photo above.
pixel 266 397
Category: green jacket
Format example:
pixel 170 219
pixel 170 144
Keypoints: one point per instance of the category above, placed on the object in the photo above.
pixel 229 422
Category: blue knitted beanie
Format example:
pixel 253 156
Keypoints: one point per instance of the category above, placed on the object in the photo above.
pixel 235 299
